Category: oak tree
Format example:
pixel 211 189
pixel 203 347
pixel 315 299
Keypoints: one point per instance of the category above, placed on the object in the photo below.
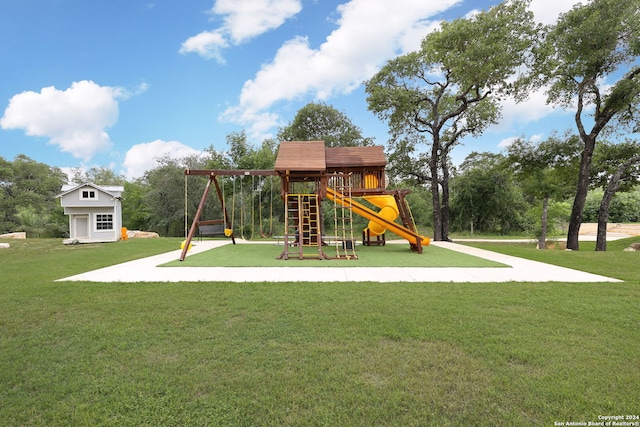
pixel 546 171
pixel 318 121
pixel 589 62
pixel 450 89
pixel 616 168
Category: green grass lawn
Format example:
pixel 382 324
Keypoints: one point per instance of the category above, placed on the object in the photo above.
pixel 613 263
pixel 278 354
pixel 391 255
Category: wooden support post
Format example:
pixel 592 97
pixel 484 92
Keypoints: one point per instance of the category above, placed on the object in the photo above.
pixel 194 225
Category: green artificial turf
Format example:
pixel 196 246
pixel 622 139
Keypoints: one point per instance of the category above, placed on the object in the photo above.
pixel 391 255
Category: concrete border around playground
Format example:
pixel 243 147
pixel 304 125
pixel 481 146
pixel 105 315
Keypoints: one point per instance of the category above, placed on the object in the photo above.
pixel 518 270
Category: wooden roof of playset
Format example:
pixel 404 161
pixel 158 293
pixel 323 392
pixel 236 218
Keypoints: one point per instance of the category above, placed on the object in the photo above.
pixel 314 156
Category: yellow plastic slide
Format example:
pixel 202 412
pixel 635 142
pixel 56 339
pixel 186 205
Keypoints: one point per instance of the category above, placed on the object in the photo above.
pixel 380 221
pixel 388 210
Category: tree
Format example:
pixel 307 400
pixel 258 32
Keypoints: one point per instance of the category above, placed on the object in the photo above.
pixel 434 97
pixel 624 207
pixel 618 168
pixel 165 194
pixel 32 221
pixel 6 201
pixel 217 159
pixel 546 171
pixel 135 212
pixel 592 44
pixel 322 122
pixel 485 197
pixel 243 155
pixel 25 182
pixel 97 175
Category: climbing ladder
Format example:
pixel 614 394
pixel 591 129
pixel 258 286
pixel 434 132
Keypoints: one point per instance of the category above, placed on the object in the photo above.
pixel 302 226
pixel 343 217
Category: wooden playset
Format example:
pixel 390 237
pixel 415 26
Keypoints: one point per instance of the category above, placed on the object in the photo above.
pixel 310 173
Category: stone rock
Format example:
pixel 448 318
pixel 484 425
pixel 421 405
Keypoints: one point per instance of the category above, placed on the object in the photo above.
pixel 4 246
pixel 16 235
pixel 143 235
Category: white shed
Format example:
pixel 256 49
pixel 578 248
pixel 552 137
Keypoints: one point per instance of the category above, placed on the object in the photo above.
pixel 95 212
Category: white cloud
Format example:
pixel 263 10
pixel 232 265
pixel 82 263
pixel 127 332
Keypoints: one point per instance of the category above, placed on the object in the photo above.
pixel 412 37
pixel 245 20
pixel 536 138
pixel 242 21
pixel 472 13
pixel 547 11
pixel 68 171
pixel 534 108
pixel 143 157
pixel 506 142
pixel 125 93
pixel 74 119
pixel 369 34
pixel 207 44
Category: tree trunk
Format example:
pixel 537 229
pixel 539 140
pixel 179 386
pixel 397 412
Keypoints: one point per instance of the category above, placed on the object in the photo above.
pixel 542 241
pixel 445 199
pixel 581 193
pixel 437 211
pixel 435 192
pixel 603 212
pixel 609 192
pixel 601 239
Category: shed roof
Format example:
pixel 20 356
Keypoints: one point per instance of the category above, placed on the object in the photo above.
pixel 112 190
pixel 301 156
pixel 340 157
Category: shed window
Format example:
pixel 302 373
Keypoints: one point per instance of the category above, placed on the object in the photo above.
pixel 88 195
pixel 104 222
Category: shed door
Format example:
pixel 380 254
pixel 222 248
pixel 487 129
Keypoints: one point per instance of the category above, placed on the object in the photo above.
pixel 81 226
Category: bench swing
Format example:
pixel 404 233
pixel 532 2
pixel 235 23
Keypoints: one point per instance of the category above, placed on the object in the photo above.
pixel 209 228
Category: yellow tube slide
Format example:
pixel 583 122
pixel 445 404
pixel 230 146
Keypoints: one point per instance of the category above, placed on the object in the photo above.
pixel 380 220
pixel 388 210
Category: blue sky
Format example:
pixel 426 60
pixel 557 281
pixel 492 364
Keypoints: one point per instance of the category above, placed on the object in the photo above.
pixel 118 83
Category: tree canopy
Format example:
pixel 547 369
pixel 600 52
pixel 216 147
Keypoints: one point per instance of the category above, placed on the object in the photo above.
pixel 588 61
pixel 322 122
pixel 485 197
pixel 618 167
pixel 449 89
pixel 28 187
pixel 546 171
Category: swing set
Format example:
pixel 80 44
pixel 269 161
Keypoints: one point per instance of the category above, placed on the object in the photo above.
pixel 225 225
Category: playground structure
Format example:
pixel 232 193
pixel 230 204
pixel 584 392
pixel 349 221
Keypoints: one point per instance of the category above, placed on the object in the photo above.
pixel 310 173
